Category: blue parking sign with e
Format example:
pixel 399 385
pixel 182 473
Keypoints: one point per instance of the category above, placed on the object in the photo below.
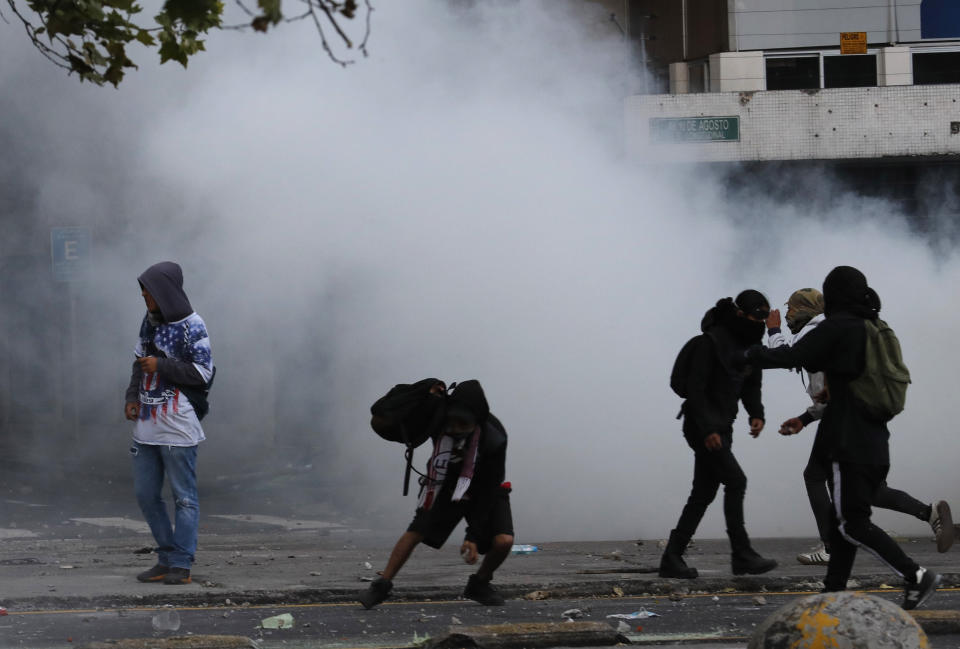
pixel 70 253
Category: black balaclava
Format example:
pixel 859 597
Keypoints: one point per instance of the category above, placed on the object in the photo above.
pixel 725 313
pixel 468 402
pixel 845 289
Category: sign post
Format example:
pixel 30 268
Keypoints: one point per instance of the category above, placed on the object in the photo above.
pixel 70 259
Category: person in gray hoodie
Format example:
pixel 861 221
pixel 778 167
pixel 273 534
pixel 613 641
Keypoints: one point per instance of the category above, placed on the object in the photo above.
pixel 166 398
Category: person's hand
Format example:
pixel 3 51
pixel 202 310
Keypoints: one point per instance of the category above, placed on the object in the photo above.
pixel 148 364
pixel 791 426
pixel 469 552
pixel 713 442
pixel 823 396
pixel 131 410
pixel 438 388
pixel 756 425
pixel 773 320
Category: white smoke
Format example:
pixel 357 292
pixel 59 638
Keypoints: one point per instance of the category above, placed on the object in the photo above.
pixel 459 205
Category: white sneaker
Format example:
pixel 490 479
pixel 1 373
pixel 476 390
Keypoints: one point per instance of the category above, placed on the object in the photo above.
pixel 819 557
pixel 941 522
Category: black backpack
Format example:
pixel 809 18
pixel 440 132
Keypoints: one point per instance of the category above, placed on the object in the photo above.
pixel 197 395
pixel 410 415
pixel 681 367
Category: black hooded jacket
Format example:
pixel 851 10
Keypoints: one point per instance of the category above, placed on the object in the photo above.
pixel 490 470
pixel 164 282
pixel 715 381
pixel 838 347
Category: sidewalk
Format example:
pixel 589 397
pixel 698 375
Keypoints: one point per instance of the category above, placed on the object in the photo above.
pixel 299 566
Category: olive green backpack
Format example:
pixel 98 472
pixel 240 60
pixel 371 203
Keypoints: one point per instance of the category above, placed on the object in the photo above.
pixel 881 390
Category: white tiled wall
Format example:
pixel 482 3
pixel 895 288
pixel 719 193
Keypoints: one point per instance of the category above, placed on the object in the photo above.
pixel 841 123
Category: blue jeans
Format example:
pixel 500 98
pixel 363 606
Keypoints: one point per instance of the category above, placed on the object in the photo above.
pixel 175 545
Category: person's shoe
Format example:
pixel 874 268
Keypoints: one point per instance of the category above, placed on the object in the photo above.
pixel 156 573
pixel 941 522
pixel 749 562
pixel 917 593
pixel 819 557
pixel 482 591
pixel 378 591
pixel 177 576
pixel 672 566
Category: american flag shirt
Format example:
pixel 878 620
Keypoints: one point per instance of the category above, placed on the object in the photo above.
pixel 166 415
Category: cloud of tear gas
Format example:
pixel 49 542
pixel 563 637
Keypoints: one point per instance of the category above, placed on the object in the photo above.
pixel 457 205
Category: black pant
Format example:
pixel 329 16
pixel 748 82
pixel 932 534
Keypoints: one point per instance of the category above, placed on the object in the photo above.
pixel 815 477
pixel 853 488
pixel 710 470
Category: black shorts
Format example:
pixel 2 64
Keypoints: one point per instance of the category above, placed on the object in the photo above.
pixel 437 523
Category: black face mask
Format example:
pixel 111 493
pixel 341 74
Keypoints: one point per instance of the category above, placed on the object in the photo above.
pixel 744 331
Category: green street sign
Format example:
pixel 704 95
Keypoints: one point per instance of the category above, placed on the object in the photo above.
pixel 694 129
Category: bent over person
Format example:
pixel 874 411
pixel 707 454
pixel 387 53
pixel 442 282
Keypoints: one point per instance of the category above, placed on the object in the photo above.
pixel 166 399
pixel 852 441
pixel 464 479
pixel 712 381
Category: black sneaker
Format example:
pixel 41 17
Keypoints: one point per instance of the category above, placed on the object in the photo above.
pixel 482 591
pixel 379 590
pixel 177 576
pixel 156 573
pixel 920 591
pixel 941 522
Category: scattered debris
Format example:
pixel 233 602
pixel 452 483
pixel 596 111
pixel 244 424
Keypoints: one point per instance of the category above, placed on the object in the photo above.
pixel 144 551
pixel 617 591
pixel 366 578
pixel 676 597
pixel 524 549
pixel 315 574
pixel 368 565
pixel 65 567
pixel 715 598
pixel 418 640
pixel 759 600
pixel 886 587
pixel 3 611
pixel 284 621
pixel 166 619
pixel 642 614
pixel 572 613
pixel 455 620
pixel 26 561
pixel 662 544
pixel 537 595
pixel 211 584
pixel 623 627
pixel 424 618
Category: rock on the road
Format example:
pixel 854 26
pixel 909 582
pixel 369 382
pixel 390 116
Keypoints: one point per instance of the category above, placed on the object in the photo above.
pixel 845 620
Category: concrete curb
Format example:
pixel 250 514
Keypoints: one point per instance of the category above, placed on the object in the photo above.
pixel 530 635
pixel 937 622
pixel 622 587
pixel 178 642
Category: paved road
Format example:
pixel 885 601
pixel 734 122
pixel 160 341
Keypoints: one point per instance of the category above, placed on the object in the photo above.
pixel 706 619
pixel 75 552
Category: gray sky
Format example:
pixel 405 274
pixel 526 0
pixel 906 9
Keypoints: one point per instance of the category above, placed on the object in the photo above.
pixel 456 205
